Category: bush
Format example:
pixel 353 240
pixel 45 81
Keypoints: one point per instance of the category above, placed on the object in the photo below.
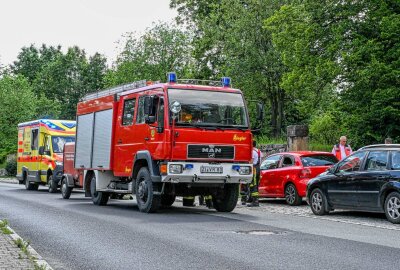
pixel 11 167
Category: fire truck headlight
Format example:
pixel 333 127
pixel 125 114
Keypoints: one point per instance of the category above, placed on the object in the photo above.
pixel 243 170
pixel 59 163
pixel 175 168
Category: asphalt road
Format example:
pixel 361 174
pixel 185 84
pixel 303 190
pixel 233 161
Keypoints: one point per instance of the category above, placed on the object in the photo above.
pixel 75 234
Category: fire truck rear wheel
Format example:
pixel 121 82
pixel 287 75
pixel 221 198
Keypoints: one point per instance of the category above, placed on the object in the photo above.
pixel 227 200
pixel 52 185
pixel 146 200
pixel 65 189
pixel 98 197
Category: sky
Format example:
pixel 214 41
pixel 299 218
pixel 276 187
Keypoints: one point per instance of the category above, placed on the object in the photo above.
pixel 94 26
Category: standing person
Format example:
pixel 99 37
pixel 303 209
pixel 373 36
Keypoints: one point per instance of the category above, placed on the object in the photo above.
pixel 388 141
pixel 257 155
pixel 342 149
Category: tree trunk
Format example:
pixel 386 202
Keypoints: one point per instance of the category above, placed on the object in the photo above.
pixel 281 98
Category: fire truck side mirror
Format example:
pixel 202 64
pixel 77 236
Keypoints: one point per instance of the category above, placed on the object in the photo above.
pixel 148 105
pixel 150 119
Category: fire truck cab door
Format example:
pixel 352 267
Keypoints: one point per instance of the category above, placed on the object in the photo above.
pixel 156 130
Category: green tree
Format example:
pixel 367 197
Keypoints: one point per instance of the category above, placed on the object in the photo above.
pixel 160 49
pixel 346 53
pixel 68 78
pixel 17 104
pixel 32 60
pixel 230 40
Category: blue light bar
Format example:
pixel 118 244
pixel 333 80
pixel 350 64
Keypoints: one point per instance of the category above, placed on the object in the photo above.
pixel 226 81
pixel 188 166
pixel 171 77
pixel 235 167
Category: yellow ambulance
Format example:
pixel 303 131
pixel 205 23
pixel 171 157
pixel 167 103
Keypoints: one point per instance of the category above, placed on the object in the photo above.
pixel 40 152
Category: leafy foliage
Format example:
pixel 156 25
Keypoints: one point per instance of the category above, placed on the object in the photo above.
pixel 60 78
pixel 17 104
pixel 11 167
pixel 230 41
pixel 160 49
pixel 345 52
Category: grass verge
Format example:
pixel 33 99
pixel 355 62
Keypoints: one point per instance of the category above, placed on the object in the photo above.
pixel 22 245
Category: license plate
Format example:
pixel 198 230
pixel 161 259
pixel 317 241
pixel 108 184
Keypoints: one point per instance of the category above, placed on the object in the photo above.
pixel 210 169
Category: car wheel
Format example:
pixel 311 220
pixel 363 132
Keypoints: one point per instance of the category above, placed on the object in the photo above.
pixel 291 195
pixel 65 189
pixel 52 185
pixel 318 202
pixel 30 185
pixel 392 207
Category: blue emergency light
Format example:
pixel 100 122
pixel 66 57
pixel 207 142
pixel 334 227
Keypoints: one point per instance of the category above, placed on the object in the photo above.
pixel 171 77
pixel 189 166
pixel 235 167
pixel 226 81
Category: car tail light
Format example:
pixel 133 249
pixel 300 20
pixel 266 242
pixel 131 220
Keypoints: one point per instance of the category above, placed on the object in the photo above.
pixel 305 173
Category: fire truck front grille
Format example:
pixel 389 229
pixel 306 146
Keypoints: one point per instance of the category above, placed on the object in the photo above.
pixel 211 151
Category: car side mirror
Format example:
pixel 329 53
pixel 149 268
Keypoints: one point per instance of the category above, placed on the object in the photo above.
pixel 41 150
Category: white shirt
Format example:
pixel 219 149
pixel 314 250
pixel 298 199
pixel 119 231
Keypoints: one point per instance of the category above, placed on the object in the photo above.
pixel 255 156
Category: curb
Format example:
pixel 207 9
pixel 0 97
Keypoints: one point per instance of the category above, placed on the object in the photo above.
pixel 10 180
pixel 38 259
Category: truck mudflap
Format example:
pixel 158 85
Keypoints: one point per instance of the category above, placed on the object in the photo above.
pixel 196 172
pixel 70 180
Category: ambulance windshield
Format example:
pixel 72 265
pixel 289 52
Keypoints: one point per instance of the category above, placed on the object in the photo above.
pixel 209 108
pixel 59 141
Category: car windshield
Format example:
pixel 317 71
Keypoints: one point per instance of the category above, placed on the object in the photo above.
pixel 318 160
pixel 209 108
pixel 59 141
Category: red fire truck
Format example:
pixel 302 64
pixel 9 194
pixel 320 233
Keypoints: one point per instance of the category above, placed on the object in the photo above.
pixel 161 140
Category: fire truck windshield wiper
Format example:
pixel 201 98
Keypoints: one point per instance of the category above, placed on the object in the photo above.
pixel 233 127
pixel 188 124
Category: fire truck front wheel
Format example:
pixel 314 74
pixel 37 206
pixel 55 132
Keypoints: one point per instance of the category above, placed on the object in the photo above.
pixel 147 201
pixel 226 200
pixel 167 200
pixel 98 197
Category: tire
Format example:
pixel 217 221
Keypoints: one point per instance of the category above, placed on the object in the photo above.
pixel 28 185
pixel 291 195
pixel 227 201
pixel 98 197
pixel 318 202
pixel 146 200
pixel 65 189
pixel 51 184
pixel 392 207
pixel 167 200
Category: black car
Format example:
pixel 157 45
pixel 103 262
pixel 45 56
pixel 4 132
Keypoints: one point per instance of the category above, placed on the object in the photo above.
pixel 367 180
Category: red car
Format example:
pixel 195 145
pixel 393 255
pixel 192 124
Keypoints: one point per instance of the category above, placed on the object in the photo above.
pixel 285 175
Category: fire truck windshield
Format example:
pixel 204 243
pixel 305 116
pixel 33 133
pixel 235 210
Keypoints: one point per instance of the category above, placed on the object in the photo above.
pixel 59 141
pixel 209 108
